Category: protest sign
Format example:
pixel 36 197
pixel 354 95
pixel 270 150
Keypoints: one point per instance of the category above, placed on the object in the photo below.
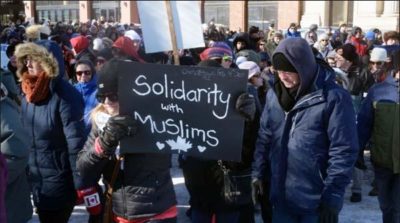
pixel 183 109
pixel 155 27
pixel 4 58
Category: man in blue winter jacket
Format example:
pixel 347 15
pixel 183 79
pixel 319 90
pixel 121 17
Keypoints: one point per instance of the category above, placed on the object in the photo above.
pixel 307 143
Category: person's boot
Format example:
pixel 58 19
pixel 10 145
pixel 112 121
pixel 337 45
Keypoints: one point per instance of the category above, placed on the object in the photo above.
pixel 373 192
pixel 355 197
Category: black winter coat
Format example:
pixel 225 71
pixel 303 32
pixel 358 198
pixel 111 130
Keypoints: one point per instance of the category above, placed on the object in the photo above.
pixel 143 187
pixel 56 135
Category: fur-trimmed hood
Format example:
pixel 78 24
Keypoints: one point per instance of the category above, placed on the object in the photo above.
pixel 37 53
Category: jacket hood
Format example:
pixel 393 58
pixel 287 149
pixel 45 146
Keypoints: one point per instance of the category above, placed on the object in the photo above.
pixel 125 44
pixel 299 54
pixel 40 54
pixel 56 50
pixel 242 37
pixel 79 43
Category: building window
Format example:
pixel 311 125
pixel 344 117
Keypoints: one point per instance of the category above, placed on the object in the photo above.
pixel 217 10
pixel 262 13
pixel 58 11
pixel 108 9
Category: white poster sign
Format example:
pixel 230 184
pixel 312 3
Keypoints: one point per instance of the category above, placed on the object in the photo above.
pixel 155 26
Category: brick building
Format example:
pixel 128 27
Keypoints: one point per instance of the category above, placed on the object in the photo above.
pixel 237 15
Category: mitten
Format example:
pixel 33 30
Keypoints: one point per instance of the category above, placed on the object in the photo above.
pixel 115 129
pixel 328 214
pixel 246 106
pixel 91 198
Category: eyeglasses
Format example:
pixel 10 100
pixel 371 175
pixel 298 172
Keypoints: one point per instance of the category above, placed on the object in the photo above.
pixel 380 63
pixel 86 72
pixel 111 97
pixel 27 60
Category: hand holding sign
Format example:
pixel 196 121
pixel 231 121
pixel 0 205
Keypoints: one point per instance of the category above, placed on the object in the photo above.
pixel 115 129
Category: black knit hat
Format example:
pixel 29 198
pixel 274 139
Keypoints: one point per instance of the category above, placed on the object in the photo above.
pixel 107 80
pixel 279 62
pixel 349 52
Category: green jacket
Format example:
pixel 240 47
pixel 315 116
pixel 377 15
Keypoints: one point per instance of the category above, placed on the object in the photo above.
pixel 385 151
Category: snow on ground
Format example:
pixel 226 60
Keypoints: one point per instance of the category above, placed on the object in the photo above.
pixel 367 211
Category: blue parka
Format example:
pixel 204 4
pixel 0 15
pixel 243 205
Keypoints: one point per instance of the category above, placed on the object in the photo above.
pixel 309 151
pixel 88 91
pixel 56 133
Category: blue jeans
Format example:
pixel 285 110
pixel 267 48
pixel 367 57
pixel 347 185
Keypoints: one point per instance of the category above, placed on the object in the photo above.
pixel 222 217
pixel 388 185
pixel 280 215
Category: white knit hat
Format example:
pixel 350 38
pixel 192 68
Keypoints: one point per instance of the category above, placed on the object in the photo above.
pixel 378 54
pixel 251 66
pixel 98 44
pixel 131 34
pixel 240 60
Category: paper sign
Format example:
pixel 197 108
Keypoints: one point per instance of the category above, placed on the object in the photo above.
pixel 155 26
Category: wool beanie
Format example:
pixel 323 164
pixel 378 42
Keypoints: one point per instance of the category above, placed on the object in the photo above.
pixel 279 62
pixel 250 55
pixel 349 52
pixel 107 79
pixel 252 67
pixel 216 50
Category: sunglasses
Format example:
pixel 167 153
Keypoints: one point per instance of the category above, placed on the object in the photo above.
pixel 86 72
pixel 227 58
pixel 380 63
pixel 102 97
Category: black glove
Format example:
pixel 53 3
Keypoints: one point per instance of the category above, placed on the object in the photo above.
pixel 360 162
pixel 328 214
pixel 246 106
pixel 257 189
pixel 115 129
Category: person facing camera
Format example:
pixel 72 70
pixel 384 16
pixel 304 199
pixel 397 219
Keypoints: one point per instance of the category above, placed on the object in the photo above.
pixel 140 186
pixel 51 111
pixel 307 138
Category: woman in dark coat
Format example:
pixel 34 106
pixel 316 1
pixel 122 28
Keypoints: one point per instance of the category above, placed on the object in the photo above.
pixel 52 112
pixel 143 189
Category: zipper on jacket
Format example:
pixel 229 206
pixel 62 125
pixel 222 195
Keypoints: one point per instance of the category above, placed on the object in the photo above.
pixel 293 125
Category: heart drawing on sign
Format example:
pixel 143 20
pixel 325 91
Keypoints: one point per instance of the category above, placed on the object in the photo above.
pixel 160 145
pixel 201 148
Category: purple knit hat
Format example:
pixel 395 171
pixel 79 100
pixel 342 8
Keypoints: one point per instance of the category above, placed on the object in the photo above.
pixel 216 50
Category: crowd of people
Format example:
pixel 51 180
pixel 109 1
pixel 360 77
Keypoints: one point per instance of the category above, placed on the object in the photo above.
pixel 313 105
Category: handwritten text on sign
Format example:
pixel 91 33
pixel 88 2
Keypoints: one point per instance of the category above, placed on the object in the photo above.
pixel 183 109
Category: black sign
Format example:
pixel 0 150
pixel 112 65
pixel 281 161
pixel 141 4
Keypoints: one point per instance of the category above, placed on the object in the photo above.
pixel 183 109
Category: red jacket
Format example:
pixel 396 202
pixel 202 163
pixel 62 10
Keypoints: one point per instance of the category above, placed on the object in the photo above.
pixel 361 46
